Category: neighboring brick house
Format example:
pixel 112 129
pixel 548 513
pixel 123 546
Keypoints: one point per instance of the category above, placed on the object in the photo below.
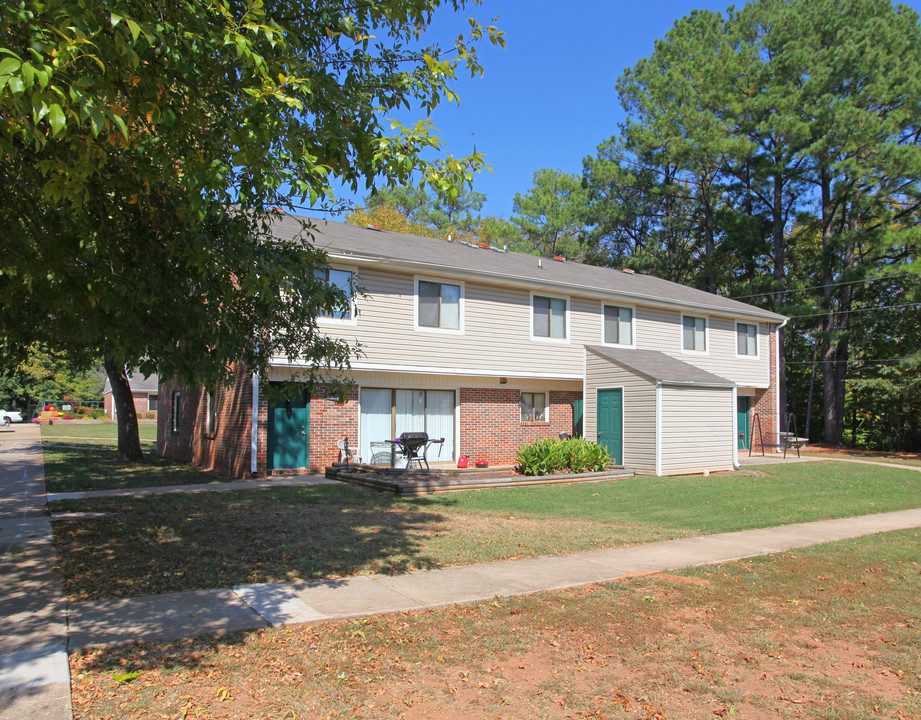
pixel 144 392
pixel 491 350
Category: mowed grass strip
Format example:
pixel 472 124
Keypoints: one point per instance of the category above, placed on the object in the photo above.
pixel 103 434
pixel 184 542
pixel 77 469
pixel 827 632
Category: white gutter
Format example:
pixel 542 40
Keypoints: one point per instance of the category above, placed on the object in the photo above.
pixel 254 438
pixel 658 429
pixel 508 280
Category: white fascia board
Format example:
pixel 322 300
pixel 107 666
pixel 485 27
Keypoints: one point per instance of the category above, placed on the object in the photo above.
pixel 557 287
pixel 434 370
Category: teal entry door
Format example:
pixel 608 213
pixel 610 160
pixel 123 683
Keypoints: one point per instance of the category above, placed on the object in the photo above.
pixel 289 433
pixel 743 405
pixel 611 423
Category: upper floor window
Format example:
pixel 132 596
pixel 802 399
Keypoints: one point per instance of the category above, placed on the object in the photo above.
pixel 439 306
pixel 549 317
pixel 618 325
pixel 694 333
pixel 341 279
pixel 747 339
pixel 533 407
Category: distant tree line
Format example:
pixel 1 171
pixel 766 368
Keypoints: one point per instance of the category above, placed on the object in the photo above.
pixel 770 154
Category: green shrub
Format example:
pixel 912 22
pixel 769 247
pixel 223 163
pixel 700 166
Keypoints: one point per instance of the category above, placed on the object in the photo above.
pixel 550 455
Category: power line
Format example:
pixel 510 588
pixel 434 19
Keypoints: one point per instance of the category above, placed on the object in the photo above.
pixel 827 362
pixel 859 310
pixel 822 287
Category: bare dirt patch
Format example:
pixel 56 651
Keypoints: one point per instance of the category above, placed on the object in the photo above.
pixel 826 633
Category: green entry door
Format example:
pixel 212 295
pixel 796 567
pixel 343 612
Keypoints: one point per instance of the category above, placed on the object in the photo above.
pixel 743 405
pixel 289 433
pixel 611 423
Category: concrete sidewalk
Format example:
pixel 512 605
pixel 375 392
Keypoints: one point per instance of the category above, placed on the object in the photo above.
pixel 246 607
pixel 34 673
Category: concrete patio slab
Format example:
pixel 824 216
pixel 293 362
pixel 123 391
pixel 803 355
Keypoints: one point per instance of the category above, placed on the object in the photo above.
pixel 159 617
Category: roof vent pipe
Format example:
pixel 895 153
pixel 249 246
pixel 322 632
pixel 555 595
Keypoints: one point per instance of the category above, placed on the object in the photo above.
pixel 540 264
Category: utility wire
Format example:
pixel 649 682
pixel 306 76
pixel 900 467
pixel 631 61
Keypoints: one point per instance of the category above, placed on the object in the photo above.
pixel 822 287
pixel 826 362
pixel 858 310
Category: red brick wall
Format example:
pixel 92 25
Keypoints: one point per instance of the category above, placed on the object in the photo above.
pixel 227 449
pixel 765 403
pixel 329 422
pixel 491 427
pixel 141 403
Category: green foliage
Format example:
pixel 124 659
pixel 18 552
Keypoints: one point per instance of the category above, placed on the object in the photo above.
pixel 551 455
pixel 551 214
pixel 43 375
pixel 145 149
pixel 771 154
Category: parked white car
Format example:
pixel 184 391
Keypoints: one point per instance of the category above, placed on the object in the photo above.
pixel 10 416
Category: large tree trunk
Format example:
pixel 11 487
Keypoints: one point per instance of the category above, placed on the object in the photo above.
pixel 129 442
pixel 834 423
pixel 777 221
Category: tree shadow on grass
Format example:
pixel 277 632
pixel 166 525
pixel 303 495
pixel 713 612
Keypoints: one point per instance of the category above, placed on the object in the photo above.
pixel 77 469
pixel 170 543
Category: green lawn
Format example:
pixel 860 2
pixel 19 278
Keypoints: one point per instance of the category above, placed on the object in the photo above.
pixel 76 469
pixel 184 542
pixel 105 434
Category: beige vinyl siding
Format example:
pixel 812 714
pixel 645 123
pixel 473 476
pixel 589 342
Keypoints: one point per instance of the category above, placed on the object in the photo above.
pixel 659 329
pixel 639 410
pixel 496 337
pixel 696 429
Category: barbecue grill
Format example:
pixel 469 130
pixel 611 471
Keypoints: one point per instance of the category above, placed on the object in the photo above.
pixel 415 446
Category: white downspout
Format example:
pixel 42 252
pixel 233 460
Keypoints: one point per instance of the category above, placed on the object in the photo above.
pixel 735 428
pixel 254 438
pixel 777 375
pixel 658 429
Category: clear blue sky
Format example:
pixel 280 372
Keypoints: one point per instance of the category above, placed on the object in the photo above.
pixel 549 99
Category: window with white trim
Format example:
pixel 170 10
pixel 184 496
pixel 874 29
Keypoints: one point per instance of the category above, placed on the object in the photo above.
pixel 549 317
pixel 618 325
pixel 694 333
pixel 151 403
pixel 341 279
pixel 747 339
pixel 533 407
pixel 438 305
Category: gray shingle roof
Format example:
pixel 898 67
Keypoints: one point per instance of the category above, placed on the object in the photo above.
pixel 457 257
pixel 660 367
pixel 139 383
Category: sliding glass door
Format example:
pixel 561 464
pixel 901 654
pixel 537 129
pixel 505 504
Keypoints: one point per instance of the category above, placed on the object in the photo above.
pixel 386 413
